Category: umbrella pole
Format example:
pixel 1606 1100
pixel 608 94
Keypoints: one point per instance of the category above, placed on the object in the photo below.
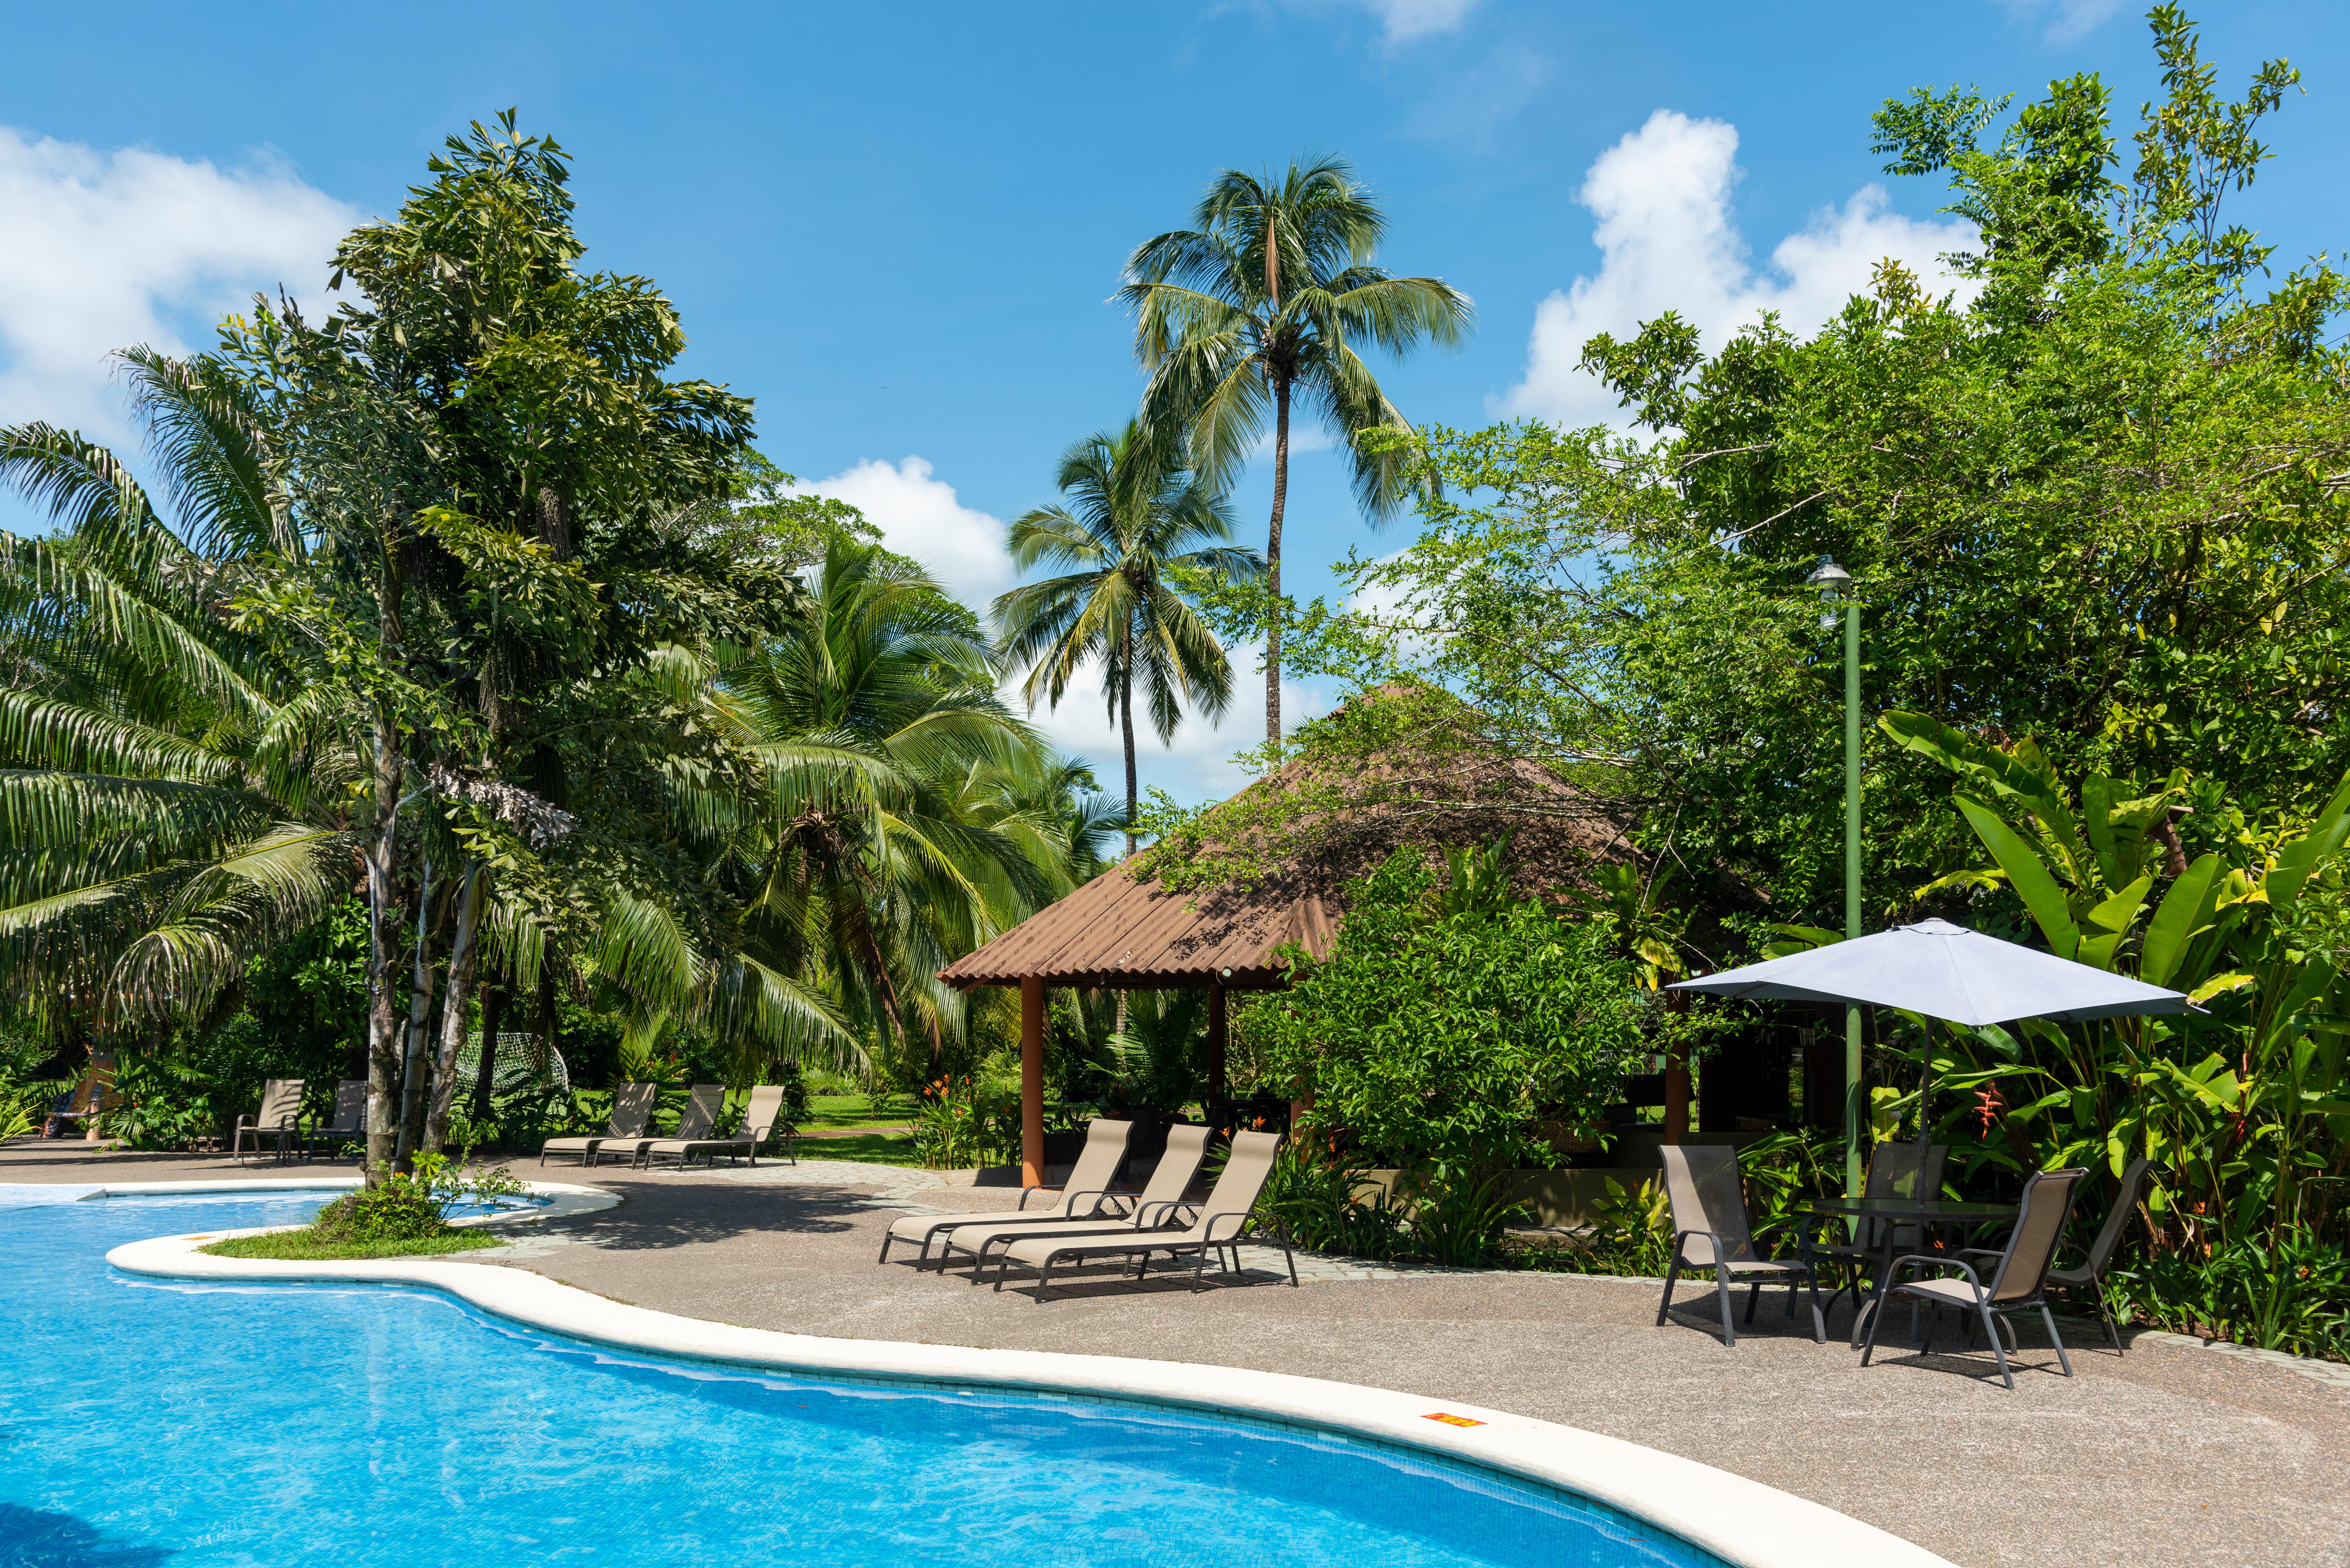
pixel 1926 1097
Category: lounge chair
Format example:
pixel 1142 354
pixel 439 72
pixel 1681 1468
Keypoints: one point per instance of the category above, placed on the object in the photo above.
pixel 2017 1281
pixel 1220 1225
pixel 1159 1204
pixel 632 1108
pixel 280 1117
pixel 762 1118
pixel 694 1125
pixel 1081 1195
pixel 349 1123
pixel 1895 1170
pixel 1710 1232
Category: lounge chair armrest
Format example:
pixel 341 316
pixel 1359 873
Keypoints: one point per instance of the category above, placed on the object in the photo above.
pixel 1070 1200
pixel 1240 1227
pixel 1038 1188
pixel 1149 1214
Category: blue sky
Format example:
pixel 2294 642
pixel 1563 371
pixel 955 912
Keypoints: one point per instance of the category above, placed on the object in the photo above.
pixel 899 227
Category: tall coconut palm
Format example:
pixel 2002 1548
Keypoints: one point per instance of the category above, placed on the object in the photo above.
pixel 859 862
pixel 1267 300
pixel 1135 514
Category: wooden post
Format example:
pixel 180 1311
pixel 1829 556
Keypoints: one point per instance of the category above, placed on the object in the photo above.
pixel 1215 1047
pixel 1032 1081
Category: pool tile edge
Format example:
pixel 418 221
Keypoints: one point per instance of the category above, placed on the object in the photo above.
pixel 1742 1521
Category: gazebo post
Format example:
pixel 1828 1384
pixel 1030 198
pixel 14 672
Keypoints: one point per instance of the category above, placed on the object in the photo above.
pixel 1032 1080
pixel 1215 1046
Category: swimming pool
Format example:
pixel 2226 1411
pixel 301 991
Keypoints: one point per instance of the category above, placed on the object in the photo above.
pixel 145 1422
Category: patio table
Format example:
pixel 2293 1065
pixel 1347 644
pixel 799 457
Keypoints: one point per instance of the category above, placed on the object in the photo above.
pixel 1926 1212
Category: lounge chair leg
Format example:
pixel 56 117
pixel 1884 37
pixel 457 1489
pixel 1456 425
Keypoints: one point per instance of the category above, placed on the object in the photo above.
pixel 1672 1272
pixel 2049 1318
pixel 1043 1278
pixel 1291 1261
pixel 887 1239
pixel 1721 1294
pixel 2105 1314
pixel 1753 1295
pixel 1819 1318
pixel 1002 1264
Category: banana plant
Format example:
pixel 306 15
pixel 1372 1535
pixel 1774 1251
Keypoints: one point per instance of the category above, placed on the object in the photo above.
pixel 2255 1137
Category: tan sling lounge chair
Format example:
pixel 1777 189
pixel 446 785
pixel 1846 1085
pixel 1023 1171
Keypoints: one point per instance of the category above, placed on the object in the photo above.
pixel 694 1125
pixel 762 1118
pixel 632 1108
pixel 280 1117
pixel 1159 1204
pixel 2017 1280
pixel 1081 1195
pixel 688 1142
pixel 1710 1232
pixel 1220 1225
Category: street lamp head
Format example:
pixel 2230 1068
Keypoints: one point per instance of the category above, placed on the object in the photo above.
pixel 1831 580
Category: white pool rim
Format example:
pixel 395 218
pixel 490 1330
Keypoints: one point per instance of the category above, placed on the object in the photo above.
pixel 1742 1522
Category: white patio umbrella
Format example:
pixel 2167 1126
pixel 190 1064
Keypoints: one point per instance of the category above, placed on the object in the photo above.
pixel 1944 971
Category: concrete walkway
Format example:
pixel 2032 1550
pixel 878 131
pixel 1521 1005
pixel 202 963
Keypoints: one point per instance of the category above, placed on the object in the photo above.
pixel 2168 1457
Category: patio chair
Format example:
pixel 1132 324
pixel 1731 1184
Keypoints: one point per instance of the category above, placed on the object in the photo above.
pixel 350 1121
pixel 2092 1272
pixel 1081 1194
pixel 1710 1232
pixel 2017 1282
pixel 694 1123
pixel 1221 1222
pixel 280 1117
pixel 1895 1170
pixel 632 1108
pixel 1160 1203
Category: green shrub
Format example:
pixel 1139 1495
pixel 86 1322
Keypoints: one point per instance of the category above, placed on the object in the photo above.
pixel 2293 1297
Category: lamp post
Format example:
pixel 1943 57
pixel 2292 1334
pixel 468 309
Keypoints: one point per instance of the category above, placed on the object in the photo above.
pixel 1834 585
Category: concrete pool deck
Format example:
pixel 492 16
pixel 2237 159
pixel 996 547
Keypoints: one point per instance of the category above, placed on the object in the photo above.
pixel 2169 1456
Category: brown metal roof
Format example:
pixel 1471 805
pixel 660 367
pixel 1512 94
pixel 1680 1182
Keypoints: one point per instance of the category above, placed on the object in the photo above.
pixel 1118 932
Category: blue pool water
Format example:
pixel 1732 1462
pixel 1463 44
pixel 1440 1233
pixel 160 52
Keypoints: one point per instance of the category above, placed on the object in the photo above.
pixel 146 1423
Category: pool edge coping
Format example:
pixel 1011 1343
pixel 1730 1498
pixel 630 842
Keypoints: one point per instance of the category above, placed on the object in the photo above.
pixel 1742 1521
pixel 570 1198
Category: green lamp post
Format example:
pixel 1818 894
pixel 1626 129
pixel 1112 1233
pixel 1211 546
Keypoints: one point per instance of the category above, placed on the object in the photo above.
pixel 1834 585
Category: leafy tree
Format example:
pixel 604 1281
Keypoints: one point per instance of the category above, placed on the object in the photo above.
pixel 2084 499
pixel 1140 521
pixel 1435 1041
pixel 1267 299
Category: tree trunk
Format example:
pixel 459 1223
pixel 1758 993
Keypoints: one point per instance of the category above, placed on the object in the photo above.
pixel 383 952
pixel 485 1079
pixel 419 1013
pixel 1125 720
pixel 463 953
pixel 1272 564
pixel 554 522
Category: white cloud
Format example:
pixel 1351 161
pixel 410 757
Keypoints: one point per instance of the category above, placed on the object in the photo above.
pixel 1408 19
pixel 919 516
pixel 2067 19
pixel 1667 242
pixel 104 250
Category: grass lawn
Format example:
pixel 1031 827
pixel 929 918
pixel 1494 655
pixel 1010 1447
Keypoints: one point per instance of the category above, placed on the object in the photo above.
pixel 827 1112
pixel 878 1148
pixel 307 1246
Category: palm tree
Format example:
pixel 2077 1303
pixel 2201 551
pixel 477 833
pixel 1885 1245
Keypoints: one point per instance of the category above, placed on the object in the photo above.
pixel 1262 302
pixel 166 780
pixel 862 863
pixel 1138 516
